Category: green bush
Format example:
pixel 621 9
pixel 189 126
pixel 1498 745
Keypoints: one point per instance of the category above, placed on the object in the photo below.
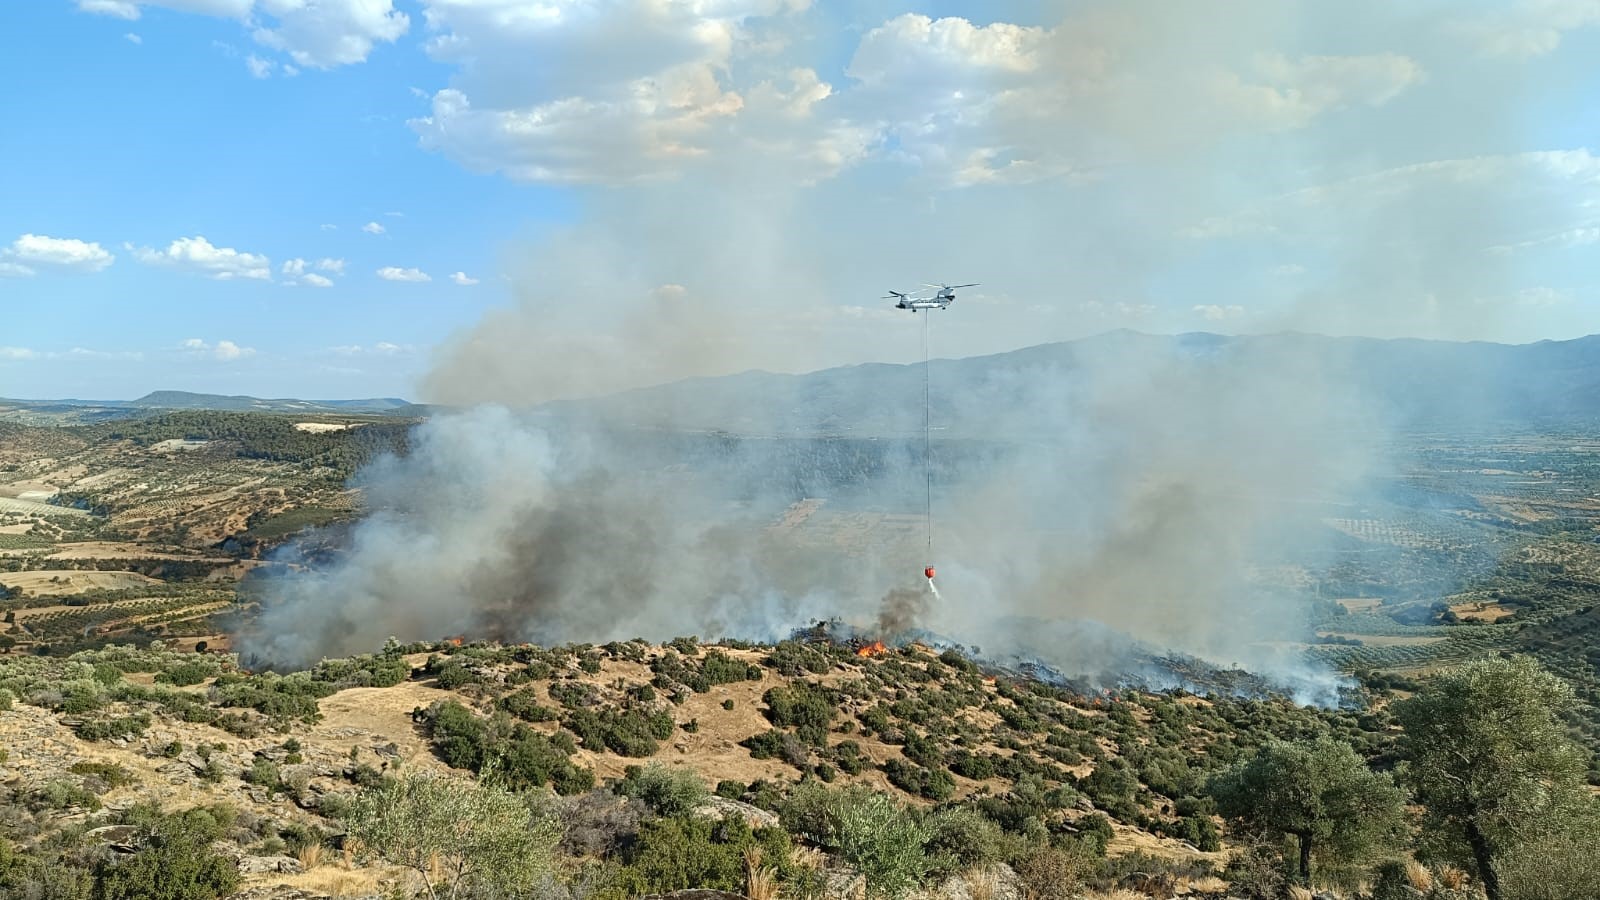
pixel 175 863
pixel 525 705
pixel 670 792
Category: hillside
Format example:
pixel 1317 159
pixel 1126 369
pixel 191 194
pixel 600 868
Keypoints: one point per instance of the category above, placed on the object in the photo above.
pixel 1120 776
pixel 1411 383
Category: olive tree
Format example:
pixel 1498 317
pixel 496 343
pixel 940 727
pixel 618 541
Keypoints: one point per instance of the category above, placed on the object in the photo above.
pixel 1320 793
pixel 1487 755
pixel 465 839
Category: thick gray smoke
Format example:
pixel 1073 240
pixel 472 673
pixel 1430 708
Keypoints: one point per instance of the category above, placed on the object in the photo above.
pixel 1102 168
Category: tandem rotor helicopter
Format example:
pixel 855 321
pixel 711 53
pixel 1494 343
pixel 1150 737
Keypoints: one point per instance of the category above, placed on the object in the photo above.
pixel 946 295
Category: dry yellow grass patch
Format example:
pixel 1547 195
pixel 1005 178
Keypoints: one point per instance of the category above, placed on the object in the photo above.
pixel 337 881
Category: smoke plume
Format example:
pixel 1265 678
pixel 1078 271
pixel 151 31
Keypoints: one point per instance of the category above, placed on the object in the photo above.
pixel 1255 166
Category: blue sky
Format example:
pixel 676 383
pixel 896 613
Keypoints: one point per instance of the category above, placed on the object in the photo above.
pixel 274 196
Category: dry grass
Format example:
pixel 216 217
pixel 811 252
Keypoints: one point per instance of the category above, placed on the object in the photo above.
pixel 1418 876
pixel 336 882
pixel 310 856
pixel 1451 878
pixel 761 881
pixel 1296 892
pixel 1210 884
pixel 1117 894
pixel 982 884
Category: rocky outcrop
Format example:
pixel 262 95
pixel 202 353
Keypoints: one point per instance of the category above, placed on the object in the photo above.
pixel 719 808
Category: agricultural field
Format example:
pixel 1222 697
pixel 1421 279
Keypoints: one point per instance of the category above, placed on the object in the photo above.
pixel 140 528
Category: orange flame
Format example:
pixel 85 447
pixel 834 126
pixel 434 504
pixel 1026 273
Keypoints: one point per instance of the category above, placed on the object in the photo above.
pixel 876 648
pixel 455 641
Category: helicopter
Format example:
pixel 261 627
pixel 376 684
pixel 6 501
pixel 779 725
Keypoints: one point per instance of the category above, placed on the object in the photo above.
pixel 945 296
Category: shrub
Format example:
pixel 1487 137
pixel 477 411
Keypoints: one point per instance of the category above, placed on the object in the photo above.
pixel 933 784
pixel 670 792
pixel 525 705
pixel 808 707
pixel 190 672
pixel 459 836
pixel 1052 873
pixel 731 790
pixel 176 863
pixel 961 839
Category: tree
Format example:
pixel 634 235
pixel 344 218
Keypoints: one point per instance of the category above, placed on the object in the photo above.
pixel 464 839
pixel 1319 792
pixel 1486 753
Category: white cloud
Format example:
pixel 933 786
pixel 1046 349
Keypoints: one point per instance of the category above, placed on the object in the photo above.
pixel 32 251
pixel 395 273
pixel 381 348
pixel 15 270
pixel 1284 93
pixel 259 68
pixel 76 353
pixel 328 226
pixel 132 38
pixel 225 351
pixel 1212 312
pixel 298 271
pixel 196 254
pixel 373 228
pixel 331 32
pixel 1527 28
pixel 320 34
pixel 462 279
pixel 617 91
pixel 122 9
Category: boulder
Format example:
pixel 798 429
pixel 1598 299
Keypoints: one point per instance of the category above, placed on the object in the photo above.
pixel 719 808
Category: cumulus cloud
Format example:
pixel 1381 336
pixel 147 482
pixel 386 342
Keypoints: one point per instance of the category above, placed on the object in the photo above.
pixel 198 255
pixel 259 68
pixel 373 228
pixel 336 266
pixel 315 280
pixel 463 279
pixel 224 351
pixel 132 38
pixel 32 252
pixel 321 34
pixel 15 270
pixel 395 273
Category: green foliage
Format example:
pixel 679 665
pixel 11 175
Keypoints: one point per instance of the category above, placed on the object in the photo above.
pixel 176 862
pixel 1492 763
pixel 670 792
pixel 808 707
pixel 111 775
pixel 519 756
pixel 192 671
pixel 932 784
pixel 459 836
pixel 1320 793
pixel 882 839
pixel 525 705
pixel 632 731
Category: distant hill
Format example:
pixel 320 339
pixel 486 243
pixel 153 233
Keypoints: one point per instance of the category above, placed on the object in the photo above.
pixel 1413 383
pixel 163 400
pixel 187 400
